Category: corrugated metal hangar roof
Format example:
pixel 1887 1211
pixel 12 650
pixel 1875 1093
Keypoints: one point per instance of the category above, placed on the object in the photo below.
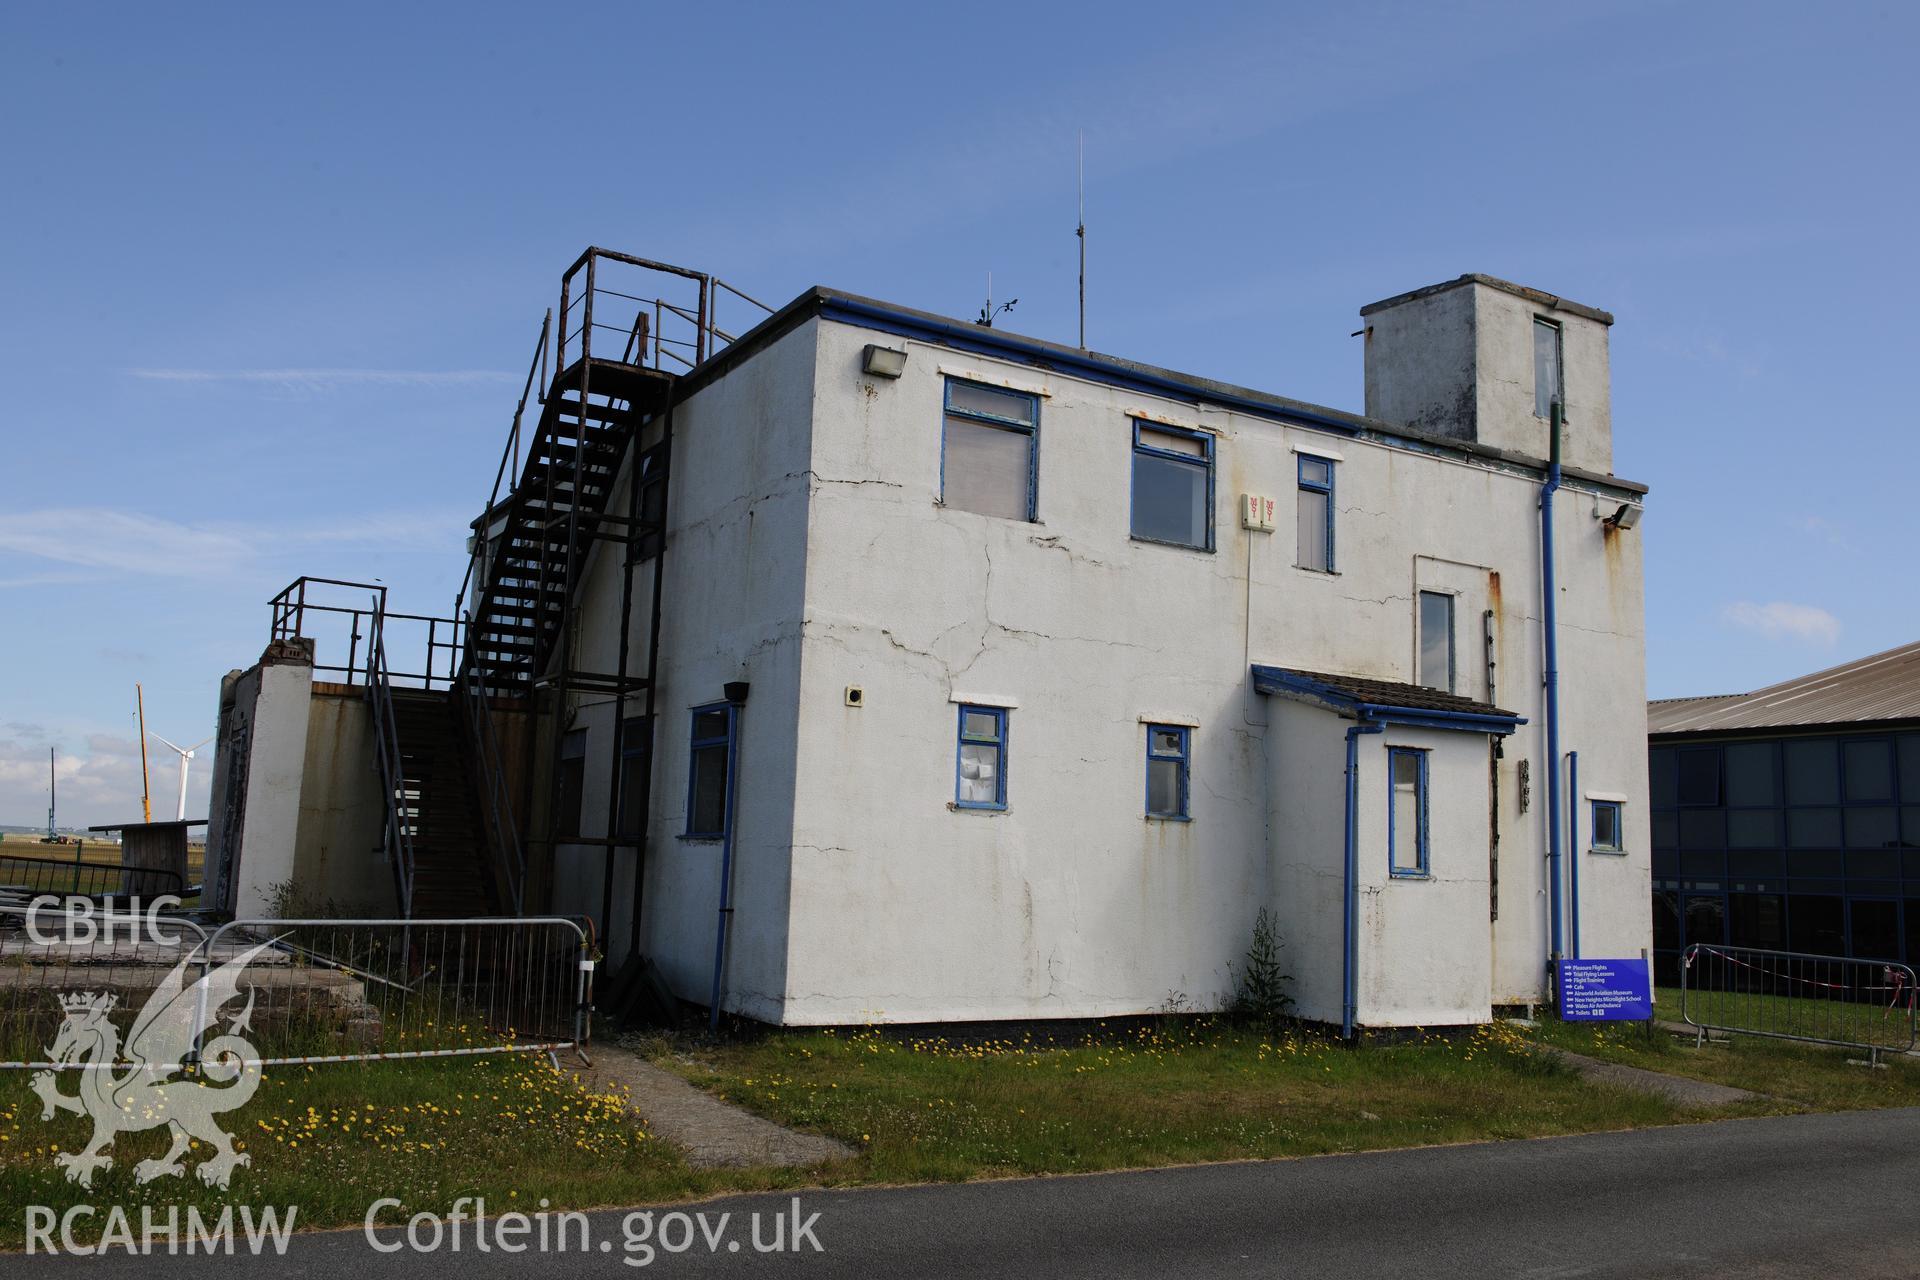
pixel 1882 686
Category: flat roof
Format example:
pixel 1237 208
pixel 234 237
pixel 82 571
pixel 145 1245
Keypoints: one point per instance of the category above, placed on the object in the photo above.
pixel 965 335
pixel 1538 297
pixel 1879 687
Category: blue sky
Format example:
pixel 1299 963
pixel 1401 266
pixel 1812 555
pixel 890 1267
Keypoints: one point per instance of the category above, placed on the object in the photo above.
pixel 271 274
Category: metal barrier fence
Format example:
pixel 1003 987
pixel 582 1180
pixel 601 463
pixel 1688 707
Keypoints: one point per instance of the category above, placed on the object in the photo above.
pixel 30 876
pixel 296 991
pixel 1784 995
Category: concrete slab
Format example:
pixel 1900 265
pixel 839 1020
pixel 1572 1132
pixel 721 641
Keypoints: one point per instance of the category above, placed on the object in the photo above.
pixel 1677 1089
pixel 711 1134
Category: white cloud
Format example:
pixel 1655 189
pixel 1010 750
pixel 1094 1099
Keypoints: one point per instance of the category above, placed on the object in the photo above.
pixel 100 784
pixel 328 379
pixel 1781 618
pixel 123 542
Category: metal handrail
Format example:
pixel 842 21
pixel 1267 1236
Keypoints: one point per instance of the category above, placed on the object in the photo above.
pixel 398 834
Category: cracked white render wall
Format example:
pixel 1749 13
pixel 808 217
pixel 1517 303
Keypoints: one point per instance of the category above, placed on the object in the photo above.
pixel 1072 903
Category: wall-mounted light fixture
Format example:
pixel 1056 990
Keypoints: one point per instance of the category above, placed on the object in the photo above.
pixel 883 362
pixel 1625 518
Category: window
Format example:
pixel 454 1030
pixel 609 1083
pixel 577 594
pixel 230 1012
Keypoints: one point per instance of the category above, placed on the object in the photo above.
pixel 1436 640
pixel 1407 812
pixel 980 772
pixel 1546 367
pixel 1313 515
pixel 1699 777
pixel 1167 760
pixel 636 750
pixel 988 451
pixel 709 759
pixel 653 500
pixel 1812 771
pixel 1869 769
pixel 1750 775
pixel 573 779
pixel 1173 486
pixel 1607 834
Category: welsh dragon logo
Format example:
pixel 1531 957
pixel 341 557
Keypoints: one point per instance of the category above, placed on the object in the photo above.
pixel 156 1088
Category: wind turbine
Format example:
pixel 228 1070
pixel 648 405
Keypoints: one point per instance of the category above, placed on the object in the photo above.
pixel 186 760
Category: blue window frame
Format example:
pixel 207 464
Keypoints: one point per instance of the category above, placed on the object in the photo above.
pixel 1172 486
pixel 710 760
pixel 1169 755
pixel 990 450
pixel 980 763
pixel 1609 836
pixel 1407 813
pixel 1313 512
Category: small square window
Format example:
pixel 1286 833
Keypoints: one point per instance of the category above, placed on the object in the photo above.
pixel 980 770
pixel 1607 834
pixel 1407 812
pixel 1168 755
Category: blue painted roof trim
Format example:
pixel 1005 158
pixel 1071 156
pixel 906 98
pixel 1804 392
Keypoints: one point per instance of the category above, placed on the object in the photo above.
pixel 1291 684
pixel 980 340
pixel 882 317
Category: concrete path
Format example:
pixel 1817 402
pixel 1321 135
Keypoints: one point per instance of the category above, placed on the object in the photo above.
pixel 1804 1197
pixel 1676 1089
pixel 711 1134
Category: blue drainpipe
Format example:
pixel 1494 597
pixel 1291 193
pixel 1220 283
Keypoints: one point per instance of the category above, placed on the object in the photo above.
pixel 1549 618
pixel 1350 918
pixel 726 853
pixel 1573 852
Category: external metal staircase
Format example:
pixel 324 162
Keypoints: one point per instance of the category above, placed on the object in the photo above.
pixel 589 475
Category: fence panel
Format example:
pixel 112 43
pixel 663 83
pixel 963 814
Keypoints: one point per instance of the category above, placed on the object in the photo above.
pixel 305 991
pixel 1861 1004
pixel 25 876
pixel 55 948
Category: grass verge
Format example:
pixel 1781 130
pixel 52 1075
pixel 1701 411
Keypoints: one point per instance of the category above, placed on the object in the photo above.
pixel 333 1139
pixel 931 1109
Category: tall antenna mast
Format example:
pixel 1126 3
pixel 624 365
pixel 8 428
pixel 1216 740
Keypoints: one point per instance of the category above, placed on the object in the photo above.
pixel 1081 232
pixel 146 792
pixel 53 794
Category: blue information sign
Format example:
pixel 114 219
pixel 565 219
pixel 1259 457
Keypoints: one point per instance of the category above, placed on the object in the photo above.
pixel 1605 991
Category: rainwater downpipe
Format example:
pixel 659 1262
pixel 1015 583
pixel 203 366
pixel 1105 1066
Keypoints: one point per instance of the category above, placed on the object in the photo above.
pixel 736 698
pixel 1573 854
pixel 1350 917
pixel 1549 620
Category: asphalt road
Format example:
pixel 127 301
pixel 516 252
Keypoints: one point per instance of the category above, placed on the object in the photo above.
pixel 1826 1196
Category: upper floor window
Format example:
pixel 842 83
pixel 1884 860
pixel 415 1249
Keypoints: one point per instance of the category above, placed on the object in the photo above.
pixel 1407 812
pixel 1168 756
pixel 1546 367
pixel 989 451
pixel 1314 515
pixel 1436 641
pixel 980 780
pixel 1173 486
